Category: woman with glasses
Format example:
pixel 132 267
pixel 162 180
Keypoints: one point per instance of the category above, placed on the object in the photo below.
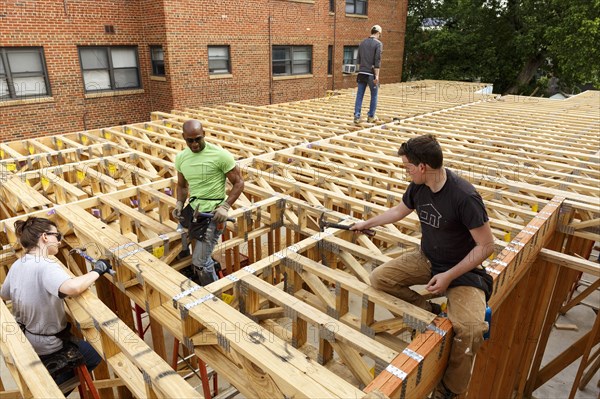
pixel 36 284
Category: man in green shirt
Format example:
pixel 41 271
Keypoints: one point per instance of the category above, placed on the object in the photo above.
pixel 201 171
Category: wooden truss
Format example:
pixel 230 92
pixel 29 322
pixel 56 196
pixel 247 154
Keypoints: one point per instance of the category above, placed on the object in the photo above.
pixel 296 315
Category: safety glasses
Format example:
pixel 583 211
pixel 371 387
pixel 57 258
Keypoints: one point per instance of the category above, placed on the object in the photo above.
pixel 59 236
pixel 194 140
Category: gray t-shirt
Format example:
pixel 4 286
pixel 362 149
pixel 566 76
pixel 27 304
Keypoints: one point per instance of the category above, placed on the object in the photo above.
pixel 32 285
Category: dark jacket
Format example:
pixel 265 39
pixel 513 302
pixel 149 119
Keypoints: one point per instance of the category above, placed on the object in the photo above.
pixel 369 55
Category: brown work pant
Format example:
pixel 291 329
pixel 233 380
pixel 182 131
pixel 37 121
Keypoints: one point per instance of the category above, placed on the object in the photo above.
pixel 466 311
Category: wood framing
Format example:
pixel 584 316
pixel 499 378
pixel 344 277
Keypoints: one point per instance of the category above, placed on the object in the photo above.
pixel 301 319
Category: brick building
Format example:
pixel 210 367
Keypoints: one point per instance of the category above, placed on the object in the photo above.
pixel 74 65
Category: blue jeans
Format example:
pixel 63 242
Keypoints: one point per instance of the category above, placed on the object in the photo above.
pixel 360 93
pixel 91 357
pixel 201 258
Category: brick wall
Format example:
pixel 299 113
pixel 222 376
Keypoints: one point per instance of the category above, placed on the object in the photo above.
pixel 251 28
pixel 184 28
pixel 59 28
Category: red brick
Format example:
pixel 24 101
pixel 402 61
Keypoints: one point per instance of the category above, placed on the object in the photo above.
pixel 185 28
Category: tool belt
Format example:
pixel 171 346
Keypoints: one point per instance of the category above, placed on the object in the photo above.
pixel 196 225
pixel 187 214
pixel 63 360
pixel 198 228
pixel 66 358
pixel 477 278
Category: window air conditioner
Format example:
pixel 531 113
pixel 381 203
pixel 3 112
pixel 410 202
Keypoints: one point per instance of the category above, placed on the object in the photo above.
pixel 348 68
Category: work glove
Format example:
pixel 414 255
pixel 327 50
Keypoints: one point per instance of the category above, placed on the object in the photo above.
pixel 177 211
pixel 102 266
pixel 221 213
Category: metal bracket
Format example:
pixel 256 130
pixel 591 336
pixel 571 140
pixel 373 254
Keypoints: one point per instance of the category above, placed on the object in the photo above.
pixel 188 306
pixel 326 334
pixel 185 293
pixel 396 372
pixel 380 365
pixel 436 329
pixel 413 355
pixel 331 247
pixel 332 312
pixel 418 358
pixel 490 270
pixel 249 269
pixel 135 251
pixel 223 342
pixel 188 343
pixel 366 330
pixel 413 322
pixel 290 312
pixel 292 264
pixel 564 228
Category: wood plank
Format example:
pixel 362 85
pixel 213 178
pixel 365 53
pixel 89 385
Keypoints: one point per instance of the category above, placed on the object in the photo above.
pixel 17 351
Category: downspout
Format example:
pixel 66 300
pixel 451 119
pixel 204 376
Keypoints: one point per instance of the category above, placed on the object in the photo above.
pixel 334 43
pixel 270 62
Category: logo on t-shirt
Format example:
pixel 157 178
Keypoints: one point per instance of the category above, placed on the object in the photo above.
pixel 429 215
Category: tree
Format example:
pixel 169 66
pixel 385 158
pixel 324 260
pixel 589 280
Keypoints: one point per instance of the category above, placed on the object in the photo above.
pixel 510 43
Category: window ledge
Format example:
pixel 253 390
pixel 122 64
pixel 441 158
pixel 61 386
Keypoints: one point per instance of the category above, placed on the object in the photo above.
pixel 158 78
pixel 27 101
pixel 357 16
pixel 114 93
pixel 292 77
pixel 221 76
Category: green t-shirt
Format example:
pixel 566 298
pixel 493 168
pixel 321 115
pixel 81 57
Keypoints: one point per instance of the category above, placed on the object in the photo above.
pixel 205 172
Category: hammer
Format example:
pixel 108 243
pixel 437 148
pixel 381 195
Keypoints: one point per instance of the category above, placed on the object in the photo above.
pixel 324 224
pixel 210 215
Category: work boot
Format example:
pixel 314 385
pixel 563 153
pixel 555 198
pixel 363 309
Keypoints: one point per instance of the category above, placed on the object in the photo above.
pixel 372 119
pixel 441 392
pixel 202 277
pixel 356 119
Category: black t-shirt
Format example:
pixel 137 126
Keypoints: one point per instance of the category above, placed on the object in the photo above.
pixel 446 218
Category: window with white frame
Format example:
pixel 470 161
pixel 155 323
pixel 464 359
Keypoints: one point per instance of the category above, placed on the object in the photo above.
pixel 23 73
pixel 292 60
pixel 356 7
pixel 110 68
pixel 218 60
pixel 157 56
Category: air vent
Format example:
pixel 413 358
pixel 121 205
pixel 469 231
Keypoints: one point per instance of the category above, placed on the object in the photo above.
pixel 349 68
pixel 109 29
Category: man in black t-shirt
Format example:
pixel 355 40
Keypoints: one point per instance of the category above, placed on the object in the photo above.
pixel 456 239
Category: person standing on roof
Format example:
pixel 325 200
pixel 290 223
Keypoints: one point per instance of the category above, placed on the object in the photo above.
pixel 201 171
pixel 369 58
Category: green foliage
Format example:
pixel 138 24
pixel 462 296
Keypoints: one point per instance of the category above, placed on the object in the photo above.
pixel 510 43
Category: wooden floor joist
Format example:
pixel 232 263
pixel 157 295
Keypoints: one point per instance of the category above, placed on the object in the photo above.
pixel 304 320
